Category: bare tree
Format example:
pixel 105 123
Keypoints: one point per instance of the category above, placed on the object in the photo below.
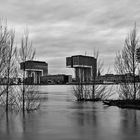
pixel 78 91
pixel 7 51
pixel 4 37
pixel 3 51
pixel 94 92
pixel 100 91
pixel 33 99
pixel 26 52
pixel 9 63
pixel 126 63
pixel 23 97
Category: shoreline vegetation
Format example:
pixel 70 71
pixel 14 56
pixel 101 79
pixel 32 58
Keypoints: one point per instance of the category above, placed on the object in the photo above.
pixel 126 61
pixel 22 97
pixel 27 97
pixel 129 104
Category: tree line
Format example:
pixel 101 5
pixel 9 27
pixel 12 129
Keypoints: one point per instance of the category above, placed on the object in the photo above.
pixel 126 61
pixel 25 97
pixel 21 97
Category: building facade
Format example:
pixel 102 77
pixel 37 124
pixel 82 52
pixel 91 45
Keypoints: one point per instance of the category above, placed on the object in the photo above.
pixel 85 67
pixel 34 70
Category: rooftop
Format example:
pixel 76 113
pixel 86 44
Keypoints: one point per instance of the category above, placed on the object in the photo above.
pixel 83 56
pixel 32 61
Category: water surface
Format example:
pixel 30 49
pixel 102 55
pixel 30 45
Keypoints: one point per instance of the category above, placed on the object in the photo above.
pixel 62 118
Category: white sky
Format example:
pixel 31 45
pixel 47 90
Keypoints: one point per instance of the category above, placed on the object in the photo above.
pixel 61 28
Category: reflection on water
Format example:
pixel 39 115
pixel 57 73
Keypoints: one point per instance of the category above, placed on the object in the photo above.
pixel 62 118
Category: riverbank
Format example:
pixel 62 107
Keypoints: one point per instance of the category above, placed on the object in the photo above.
pixel 132 104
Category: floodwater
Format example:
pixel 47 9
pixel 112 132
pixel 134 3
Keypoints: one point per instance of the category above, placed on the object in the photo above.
pixel 62 118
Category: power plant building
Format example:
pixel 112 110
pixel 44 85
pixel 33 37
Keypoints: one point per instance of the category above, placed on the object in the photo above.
pixel 34 70
pixel 56 79
pixel 85 67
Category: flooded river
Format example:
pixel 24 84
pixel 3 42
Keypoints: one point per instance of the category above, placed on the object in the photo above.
pixel 62 118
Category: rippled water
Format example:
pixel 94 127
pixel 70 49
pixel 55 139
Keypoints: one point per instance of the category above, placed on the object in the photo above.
pixel 62 118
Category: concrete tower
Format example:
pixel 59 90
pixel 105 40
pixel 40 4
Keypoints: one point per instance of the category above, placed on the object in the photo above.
pixel 34 70
pixel 85 67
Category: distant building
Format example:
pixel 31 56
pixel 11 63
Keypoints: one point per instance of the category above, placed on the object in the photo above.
pixel 123 78
pixel 56 79
pixel 85 67
pixel 34 70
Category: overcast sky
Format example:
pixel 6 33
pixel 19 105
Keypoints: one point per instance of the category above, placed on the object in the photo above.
pixel 61 28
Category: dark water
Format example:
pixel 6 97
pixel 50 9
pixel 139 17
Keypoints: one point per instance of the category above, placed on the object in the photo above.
pixel 62 118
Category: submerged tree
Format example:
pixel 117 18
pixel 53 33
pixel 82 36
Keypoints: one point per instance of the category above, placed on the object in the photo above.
pixel 25 97
pixel 26 52
pixel 100 91
pixel 93 91
pixel 4 35
pixel 11 50
pixel 7 55
pixel 126 63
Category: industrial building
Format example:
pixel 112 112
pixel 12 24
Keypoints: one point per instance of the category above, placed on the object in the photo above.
pixel 85 67
pixel 117 79
pixel 56 79
pixel 34 70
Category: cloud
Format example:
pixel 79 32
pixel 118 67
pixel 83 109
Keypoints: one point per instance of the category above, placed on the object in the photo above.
pixel 61 28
